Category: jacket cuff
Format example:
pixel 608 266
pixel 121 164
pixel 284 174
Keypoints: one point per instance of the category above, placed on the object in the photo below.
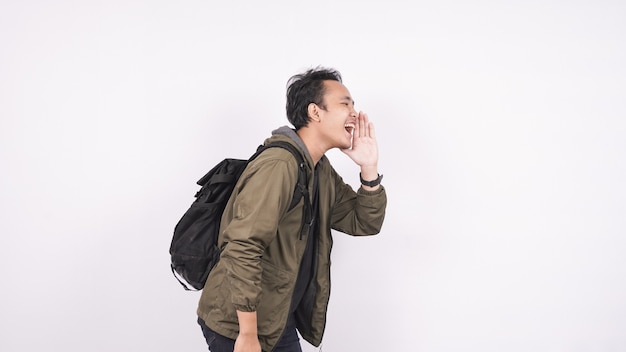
pixel 364 192
pixel 244 308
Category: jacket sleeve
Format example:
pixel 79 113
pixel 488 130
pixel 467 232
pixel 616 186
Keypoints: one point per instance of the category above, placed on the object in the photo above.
pixel 263 194
pixel 358 213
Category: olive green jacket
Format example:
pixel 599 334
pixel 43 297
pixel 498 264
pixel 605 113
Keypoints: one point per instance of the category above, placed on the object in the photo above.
pixel 262 248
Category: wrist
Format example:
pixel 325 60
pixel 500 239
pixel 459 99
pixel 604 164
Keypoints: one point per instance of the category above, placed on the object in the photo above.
pixel 371 182
pixel 248 334
pixel 369 173
pixel 247 323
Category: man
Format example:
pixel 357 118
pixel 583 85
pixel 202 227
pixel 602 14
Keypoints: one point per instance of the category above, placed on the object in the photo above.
pixel 272 278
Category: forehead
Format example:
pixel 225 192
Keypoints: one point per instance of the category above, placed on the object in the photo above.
pixel 336 90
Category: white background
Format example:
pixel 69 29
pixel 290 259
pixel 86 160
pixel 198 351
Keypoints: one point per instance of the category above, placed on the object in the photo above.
pixel 501 127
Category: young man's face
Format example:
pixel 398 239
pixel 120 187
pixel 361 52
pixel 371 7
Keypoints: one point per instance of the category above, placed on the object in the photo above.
pixel 338 119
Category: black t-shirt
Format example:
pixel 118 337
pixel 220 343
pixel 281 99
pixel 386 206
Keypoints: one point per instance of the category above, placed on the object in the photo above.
pixel 308 264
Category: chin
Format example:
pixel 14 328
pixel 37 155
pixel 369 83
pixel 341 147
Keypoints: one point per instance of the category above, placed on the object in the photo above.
pixel 345 142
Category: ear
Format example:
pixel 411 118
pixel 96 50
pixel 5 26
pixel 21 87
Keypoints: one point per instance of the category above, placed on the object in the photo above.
pixel 314 112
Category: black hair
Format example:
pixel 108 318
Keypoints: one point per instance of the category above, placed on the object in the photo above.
pixel 304 89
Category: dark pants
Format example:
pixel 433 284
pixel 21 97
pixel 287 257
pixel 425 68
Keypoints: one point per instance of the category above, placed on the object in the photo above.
pixel 289 342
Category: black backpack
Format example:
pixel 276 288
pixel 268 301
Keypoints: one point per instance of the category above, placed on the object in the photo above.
pixel 194 251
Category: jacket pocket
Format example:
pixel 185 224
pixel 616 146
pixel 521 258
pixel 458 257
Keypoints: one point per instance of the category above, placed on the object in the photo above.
pixel 275 299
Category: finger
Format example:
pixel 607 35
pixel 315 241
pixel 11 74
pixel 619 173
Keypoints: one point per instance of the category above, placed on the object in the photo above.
pixel 372 132
pixel 362 125
pixel 365 119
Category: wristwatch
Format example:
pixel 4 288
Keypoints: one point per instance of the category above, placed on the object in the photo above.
pixel 373 183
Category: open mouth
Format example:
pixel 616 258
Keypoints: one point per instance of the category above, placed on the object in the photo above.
pixel 349 127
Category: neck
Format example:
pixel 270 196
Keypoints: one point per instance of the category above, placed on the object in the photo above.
pixel 312 143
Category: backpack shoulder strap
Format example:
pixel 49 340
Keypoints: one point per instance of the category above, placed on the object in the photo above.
pixel 302 189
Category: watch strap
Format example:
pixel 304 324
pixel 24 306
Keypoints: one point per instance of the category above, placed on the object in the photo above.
pixel 373 183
